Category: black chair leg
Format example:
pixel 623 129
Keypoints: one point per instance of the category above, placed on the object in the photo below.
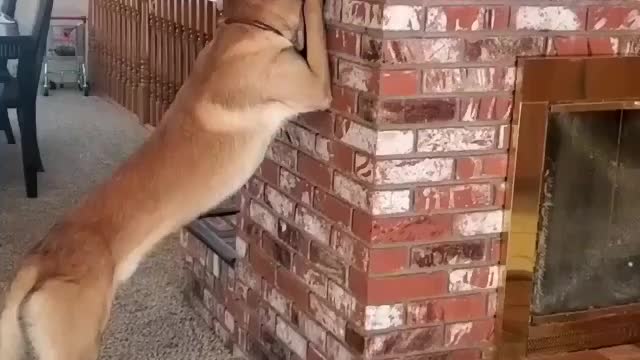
pixel 35 141
pixel 5 125
pixel 26 120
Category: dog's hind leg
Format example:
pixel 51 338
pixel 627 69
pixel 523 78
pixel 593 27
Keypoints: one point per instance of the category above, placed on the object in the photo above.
pixel 65 320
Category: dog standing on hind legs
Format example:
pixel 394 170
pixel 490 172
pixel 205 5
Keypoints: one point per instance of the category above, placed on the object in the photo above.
pixel 245 85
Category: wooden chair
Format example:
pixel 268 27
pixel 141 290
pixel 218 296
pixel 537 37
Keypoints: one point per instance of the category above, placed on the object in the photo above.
pixel 38 14
pixel 8 7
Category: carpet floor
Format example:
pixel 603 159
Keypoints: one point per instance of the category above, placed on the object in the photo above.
pixel 82 140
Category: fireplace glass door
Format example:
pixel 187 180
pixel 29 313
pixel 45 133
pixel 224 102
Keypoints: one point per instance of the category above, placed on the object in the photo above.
pixel 588 252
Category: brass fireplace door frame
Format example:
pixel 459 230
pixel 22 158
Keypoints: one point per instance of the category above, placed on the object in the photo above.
pixel 543 86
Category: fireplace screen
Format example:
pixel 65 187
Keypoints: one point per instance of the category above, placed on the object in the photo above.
pixel 589 220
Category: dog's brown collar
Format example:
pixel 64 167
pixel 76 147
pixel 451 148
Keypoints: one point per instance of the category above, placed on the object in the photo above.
pixel 255 23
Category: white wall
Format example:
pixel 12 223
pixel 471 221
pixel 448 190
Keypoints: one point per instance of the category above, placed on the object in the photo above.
pixel 70 7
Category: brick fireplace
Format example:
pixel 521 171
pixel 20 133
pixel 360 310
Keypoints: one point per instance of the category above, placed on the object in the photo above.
pixel 377 230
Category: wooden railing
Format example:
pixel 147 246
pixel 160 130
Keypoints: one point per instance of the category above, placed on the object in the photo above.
pixel 141 51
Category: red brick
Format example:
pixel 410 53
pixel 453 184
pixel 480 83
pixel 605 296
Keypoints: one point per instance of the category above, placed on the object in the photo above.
pixel 371 49
pixel 409 229
pixel 273 345
pixel 344 99
pixel 327 262
pixel 604 45
pixel 262 264
pixel 498 49
pixel 429 110
pixel 334 208
pixel 469 334
pixel 293 288
pixel 300 137
pixel 420 51
pixel 276 250
pixel 496 251
pixel 471 79
pixel 346 304
pixel 613 18
pixel 455 253
pixel 293 237
pixel 447 310
pixel 467 18
pixel 462 280
pixel 500 195
pixel 439 198
pixel 388 290
pixel 256 187
pixel 319 121
pixel 363 167
pixel 313 224
pixel 358 282
pixel 343 41
pixel 279 203
pixel 388 260
pixel 406 341
pixel 327 317
pixel 548 18
pixel 466 354
pixel 495 165
pixel 398 83
pixel 250 228
pixel 488 108
pixel 314 170
pixel 336 153
pixel 362 225
pixel 357 76
pixel 629 45
pixel 282 154
pixel 350 249
pixel 313 354
pixel 361 13
pixel 296 187
pixel 269 171
pixel 316 280
pixel 481 167
pixel 568 46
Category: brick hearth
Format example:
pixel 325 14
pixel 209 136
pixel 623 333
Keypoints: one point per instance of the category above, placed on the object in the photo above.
pixel 373 230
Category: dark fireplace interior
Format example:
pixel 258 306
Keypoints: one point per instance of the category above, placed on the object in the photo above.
pixel 588 253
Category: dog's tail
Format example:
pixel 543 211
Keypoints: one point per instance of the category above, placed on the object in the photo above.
pixel 11 334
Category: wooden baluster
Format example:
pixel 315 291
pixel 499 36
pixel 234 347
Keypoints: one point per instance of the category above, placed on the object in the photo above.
pixel 209 20
pixel 180 43
pixel 144 36
pixel 162 27
pixel 171 40
pixel 152 59
pixel 126 44
pixel 131 62
pixel 116 51
pixel 185 39
pixel 166 99
pixel 135 56
pixel 201 24
pixel 122 73
pixel 193 39
pixel 99 36
pixel 109 48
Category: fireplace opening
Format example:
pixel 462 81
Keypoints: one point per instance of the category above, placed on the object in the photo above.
pixel 588 253
pixel 573 246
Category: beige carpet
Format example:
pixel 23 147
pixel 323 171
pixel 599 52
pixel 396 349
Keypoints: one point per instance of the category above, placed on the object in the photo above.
pixel 81 140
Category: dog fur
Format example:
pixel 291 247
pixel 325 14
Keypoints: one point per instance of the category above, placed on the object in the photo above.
pixel 244 86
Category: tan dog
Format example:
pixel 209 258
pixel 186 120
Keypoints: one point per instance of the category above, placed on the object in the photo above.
pixel 243 88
